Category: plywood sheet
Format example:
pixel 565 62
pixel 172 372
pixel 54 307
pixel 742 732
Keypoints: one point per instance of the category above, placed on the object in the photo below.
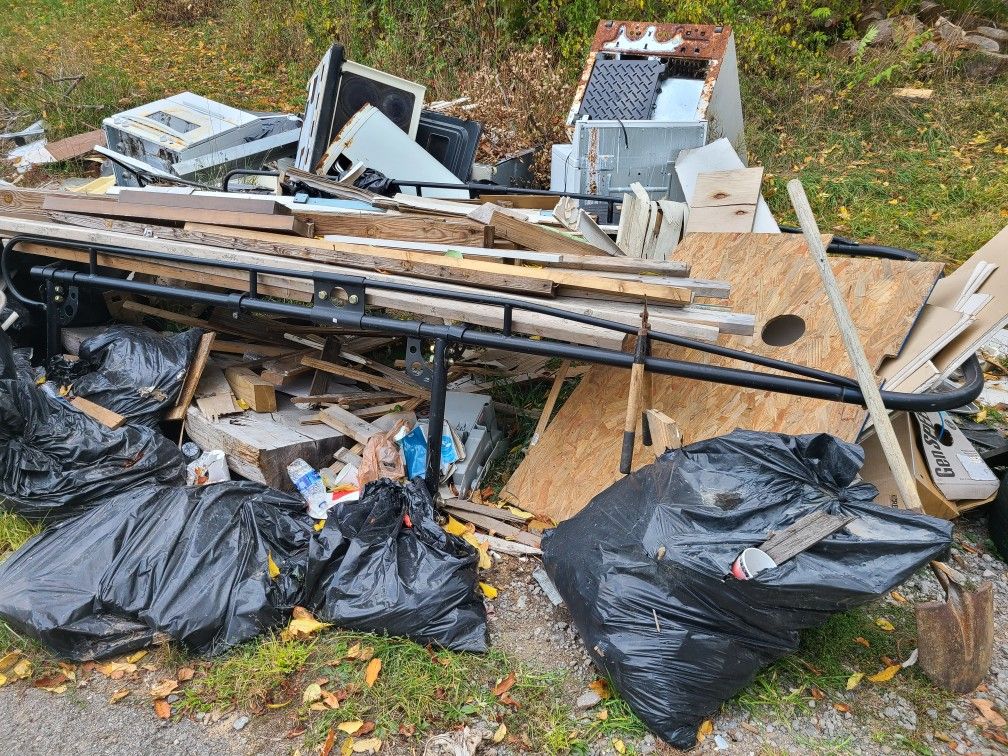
pixel 771 275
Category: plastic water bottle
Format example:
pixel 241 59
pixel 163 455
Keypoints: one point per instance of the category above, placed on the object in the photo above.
pixel 309 484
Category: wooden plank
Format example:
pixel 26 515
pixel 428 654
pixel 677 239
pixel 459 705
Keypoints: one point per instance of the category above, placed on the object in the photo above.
pixel 498 513
pixel 330 353
pixel 244 347
pixel 387 226
pixel 260 446
pixel 193 375
pixel 536 237
pixel 349 398
pixel 573 218
pixel 737 187
pixel 258 394
pixel 203 201
pixel 551 400
pixel 182 319
pixel 103 415
pixel 577 455
pixel 103 206
pixel 803 534
pixel 723 218
pixel 405 405
pixel 403 385
pixel 493 525
pixel 634 219
pixel 524 201
pixel 348 423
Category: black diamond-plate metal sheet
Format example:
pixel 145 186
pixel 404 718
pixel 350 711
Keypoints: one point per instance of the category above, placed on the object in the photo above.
pixel 623 90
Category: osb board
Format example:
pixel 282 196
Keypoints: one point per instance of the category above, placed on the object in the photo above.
pixel 770 275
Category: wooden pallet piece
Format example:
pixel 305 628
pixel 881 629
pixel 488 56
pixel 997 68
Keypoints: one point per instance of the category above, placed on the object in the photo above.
pixel 330 353
pixel 536 237
pixel 578 453
pixel 803 534
pixel 105 416
pixel 193 375
pixel 493 525
pixel 213 394
pixel 348 424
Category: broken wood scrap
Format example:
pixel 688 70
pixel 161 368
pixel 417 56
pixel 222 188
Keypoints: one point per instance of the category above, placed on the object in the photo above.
pixel 497 513
pixel 402 385
pixel 348 424
pixel 551 400
pixel 213 394
pixel 349 399
pixel 530 235
pixel 494 526
pixel 105 416
pixel 370 413
pixel 803 534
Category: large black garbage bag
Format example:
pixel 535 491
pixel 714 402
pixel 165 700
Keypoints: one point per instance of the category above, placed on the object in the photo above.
pixel 369 570
pixel 56 462
pixel 191 563
pixel 644 567
pixel 135 371
pixel 14 363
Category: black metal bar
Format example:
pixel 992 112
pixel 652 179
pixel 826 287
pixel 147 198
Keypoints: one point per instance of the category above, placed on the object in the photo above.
pixel 54 341
pixel 435 418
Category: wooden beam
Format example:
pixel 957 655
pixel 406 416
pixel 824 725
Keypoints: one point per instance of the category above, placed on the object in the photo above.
pixel 551 400
pixel 537 237
pixel 258 394
pixel 260 205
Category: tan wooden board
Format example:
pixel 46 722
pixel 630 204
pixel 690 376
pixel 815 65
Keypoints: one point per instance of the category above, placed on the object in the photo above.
pixel 193 375
pixel 103 415
pixel 76 146
pixel 738 187
pixel 257 393
pixel 773 275
pixel 721 219
pixel 204 201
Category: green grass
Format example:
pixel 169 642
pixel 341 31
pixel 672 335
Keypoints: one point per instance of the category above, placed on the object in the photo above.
pixel 14 531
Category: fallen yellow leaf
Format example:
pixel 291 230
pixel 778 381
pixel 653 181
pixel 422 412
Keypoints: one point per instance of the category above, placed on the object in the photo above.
pixel 312 693
pixel 350 727
pixel 366 653
pixel 330 699
pixel 164 688
pixel 986 708
pixel 618 745
pixel 854 680
pixel 898 597
pixel 185 674
pixel 885 624
pixel 367 745
pixel 455 527
pixel 603 714
pixel 23 669
pixel 500 733
pixel 862 641
pixel 371 673
pixel 274 571
pixel 3 679
pixel 279 705
pixel 116 670
pixel 8 660
pixel 482 550
pixel 354 651
pixel 601 688
pixel 301 627
pixel 135 657
pixel 886 674
pixel 520 512
pixel 706 728
pixel 119 695
pixel 347 747
pixel 488 590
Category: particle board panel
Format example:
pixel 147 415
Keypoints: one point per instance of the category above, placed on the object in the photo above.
pixel 771 275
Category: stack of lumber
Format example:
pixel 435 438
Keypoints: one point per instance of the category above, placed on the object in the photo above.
pixel 454 246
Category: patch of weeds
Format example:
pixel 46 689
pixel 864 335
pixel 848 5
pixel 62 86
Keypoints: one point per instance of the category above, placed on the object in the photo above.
pixel 248 675
pixel 770 694
pixel 826 746
pixel 901 742
pixel 14 532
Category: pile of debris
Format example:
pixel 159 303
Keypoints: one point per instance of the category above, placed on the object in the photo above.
pixel 336 326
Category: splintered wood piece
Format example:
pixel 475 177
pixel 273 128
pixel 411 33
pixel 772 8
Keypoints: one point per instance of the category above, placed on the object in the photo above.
pixel 193 375
pixel 665 433
pixel 402 385
pixel 738 187
pixel 535 236
pixel 348 424
pixel 371 413
pixel 330 353
pixel 802 534
pixel 551 400
pixel 103 415
pixel 213 394
pixel 258 394
pixel 492 525
pixel 578 453
pixel 496 512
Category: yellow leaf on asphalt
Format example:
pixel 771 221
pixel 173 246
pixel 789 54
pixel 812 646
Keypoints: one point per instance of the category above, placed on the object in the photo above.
pixel 23 669
pixel 367 745
pixel 854 680
pixel 488 590
pixel 312 693
pixel 162 708
pixel 455 527
pixel 371 673
pixel 350 727
pixel 618 745
pixel 134 658
pixel 274 571
pixel 705 729
pixel 885 624
pixel 7 661
pixel 119 695
pixel 500 733
pixel 886 674
pixel 116 670
pixel 898 597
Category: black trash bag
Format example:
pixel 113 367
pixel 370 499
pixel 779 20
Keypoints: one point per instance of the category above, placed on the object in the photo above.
pixel 644 567
pixel 369 570
pixel 377 182
pixel 135 371
pixel 190 563
pixel 56 461
pixel 14 363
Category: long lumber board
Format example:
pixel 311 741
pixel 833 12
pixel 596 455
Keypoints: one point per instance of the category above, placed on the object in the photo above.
pixel 696 322
pixel 107 206
pixel 578 454
pixel 690 322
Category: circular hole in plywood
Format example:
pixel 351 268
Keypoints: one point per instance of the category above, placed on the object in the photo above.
pixel 783 330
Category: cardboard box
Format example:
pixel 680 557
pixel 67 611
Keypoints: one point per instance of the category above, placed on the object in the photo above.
pixel 876 471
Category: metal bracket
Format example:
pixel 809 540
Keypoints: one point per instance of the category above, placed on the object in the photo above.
pixel 326 292
pixel 418 369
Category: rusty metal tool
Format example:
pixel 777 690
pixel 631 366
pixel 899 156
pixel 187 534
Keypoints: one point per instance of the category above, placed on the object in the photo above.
pixel 955 637
pixel 634 400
